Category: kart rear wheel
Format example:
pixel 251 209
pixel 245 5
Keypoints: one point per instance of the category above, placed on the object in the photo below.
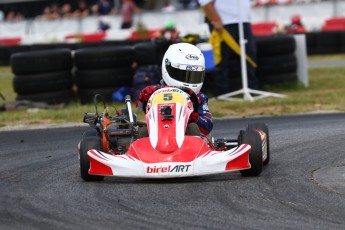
pixel 264 128
pixel 92 132
pixel 255 157
pixel 89 142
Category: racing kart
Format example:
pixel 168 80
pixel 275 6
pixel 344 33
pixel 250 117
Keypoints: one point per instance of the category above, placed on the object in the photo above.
pixel 112 147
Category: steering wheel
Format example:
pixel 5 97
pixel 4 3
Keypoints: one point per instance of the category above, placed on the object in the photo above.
pixel 193 97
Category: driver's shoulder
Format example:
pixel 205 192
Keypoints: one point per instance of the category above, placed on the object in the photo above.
pixel 202 97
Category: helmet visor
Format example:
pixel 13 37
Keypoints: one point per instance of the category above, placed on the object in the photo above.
pixel 186 73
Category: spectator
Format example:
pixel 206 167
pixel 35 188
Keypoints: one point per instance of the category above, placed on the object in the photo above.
pixel 82 10
pixel 168 7
pixel 55 11
pixel 188 4
pixel 224 15
pixel 169 32
pixel 128 8
pixel 66 11
pixel 296 25
pixel 2 15
pixel 11 16
pixel 19 16
pixel 46 15
pixel 103 7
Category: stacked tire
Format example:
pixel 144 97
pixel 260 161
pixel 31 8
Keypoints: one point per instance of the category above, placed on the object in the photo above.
pixel 277 62
pixel 103 70
pixel 3 56
pixel 146 53
pixel 43 76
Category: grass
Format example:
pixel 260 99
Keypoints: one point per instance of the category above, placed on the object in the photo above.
pixel 326 57
pixel 325 92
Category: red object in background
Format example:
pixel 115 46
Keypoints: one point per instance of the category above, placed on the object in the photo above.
pixel 334 24
pixel 263 28
pixel 10 41
pixel 149 34
pixel 92 37
pixel 296 26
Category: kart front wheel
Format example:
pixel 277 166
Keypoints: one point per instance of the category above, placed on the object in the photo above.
pixel 266 144
pixel 89 142
pixel 253 139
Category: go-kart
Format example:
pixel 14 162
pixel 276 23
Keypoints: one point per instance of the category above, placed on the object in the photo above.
pixel 112 146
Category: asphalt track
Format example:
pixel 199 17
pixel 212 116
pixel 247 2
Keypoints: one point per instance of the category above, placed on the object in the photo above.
pixel 302 188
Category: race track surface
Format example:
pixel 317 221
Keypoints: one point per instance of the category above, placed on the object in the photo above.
pixel 302 188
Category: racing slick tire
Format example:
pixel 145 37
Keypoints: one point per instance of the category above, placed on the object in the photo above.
pixel 102 78
pixel 146 53
pixel 275 46
pixel 42 61
pixel 104 57
pixel 90 142
pixel 255 157
pixel 42 82
pixel 54 97
pixel 92 132
pixel 277 65
pixel 266 149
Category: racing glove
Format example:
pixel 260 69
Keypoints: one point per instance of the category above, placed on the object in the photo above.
pixel 144 96
pixel 194 117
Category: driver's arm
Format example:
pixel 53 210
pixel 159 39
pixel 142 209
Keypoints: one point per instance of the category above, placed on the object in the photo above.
pixel 204 122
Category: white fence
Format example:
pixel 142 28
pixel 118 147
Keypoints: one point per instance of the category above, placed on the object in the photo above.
pixel 187 21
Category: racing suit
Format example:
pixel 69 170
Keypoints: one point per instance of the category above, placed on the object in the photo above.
pixel 203 118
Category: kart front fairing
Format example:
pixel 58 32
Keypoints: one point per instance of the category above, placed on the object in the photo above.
pixel 168 152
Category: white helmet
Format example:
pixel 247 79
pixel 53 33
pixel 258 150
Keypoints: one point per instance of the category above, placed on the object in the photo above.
pixel 184 65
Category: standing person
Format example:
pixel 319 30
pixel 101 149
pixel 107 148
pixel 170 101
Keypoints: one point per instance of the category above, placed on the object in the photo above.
pixel 66 11
pixel 82 10
pixel 128 8
pixel 2 15
pixel 296 26
pixel 103 7
pixel 225 15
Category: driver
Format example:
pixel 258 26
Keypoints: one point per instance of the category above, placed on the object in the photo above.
pixel 183 65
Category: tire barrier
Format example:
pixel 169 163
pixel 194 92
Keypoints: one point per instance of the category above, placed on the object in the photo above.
pixel 277 62
pixel 274 46
pixel 54 97
pixel 103 70
pixel 3 56
pixel 104 57
pixel 43 61
pixel 277 65
pixel 103 78
pixel 146 54
pixel 327 42
pixel 148 66
pixel 107 65
pixel 42 82
pixel 43 76
pixel 324 42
